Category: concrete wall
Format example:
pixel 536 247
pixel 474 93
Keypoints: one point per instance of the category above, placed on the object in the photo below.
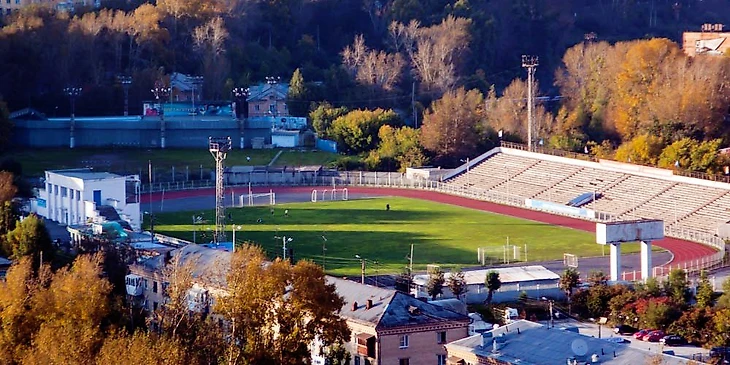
pixel 134 132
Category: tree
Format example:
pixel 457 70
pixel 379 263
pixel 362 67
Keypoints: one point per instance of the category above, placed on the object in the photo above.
pixel 7 186
pixel 209 39
pixel 323 116
pixel 142 348
pixel 677 286
pixel 492 282
pixel 296 99
pixel 397 144
pixel 275 310
pixel 30 238
pixel 650 288
pixel 451 126
pixel 704 291
pixel 642 150
pixel 569 281
pixel 378 70
pixel 435 284
pixel 597 278
pixel 456 283
pixel 357 131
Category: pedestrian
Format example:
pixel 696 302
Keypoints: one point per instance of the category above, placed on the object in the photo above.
pixel 272 211
pixel 286 212
pixel 248 158
pixel 259 220
pixel 387 207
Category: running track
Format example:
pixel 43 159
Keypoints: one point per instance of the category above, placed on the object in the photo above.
pixel 682 251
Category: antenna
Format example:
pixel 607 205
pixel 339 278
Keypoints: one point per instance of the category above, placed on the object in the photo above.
pixel 219 147
pixel 579 347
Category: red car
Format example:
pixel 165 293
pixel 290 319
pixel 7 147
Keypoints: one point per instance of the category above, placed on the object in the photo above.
pixel 640 335
pixel 653 336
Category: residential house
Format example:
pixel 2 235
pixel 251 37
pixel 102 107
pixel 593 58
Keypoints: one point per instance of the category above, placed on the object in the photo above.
pixel 392 328
pixel 7 7
pixel 710 41
pixel 268 100
pixel 529 343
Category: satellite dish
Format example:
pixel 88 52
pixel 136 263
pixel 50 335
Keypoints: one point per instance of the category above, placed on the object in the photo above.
pixel 579 347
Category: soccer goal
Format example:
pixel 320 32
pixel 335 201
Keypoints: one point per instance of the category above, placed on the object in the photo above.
pixel 492 255
pixel 570 260
pixel 251 199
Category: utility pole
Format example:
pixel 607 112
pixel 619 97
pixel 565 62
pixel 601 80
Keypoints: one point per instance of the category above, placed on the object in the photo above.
pixel 530 63
pixel 72 93
pixel 410 258
pixel 413 104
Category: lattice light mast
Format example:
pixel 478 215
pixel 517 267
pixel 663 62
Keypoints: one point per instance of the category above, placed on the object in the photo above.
pixel 219 147
pixel 530 63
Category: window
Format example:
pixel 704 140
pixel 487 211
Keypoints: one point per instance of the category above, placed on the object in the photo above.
pixel 49 186
pixel 357 360
pixel 256 107
pixel 7 2
pixel 441 337
pixel 272 108
pixel 404 361
pixel 154 287
pixel 64 191
pixel 404 341
pixel 17 2
pixel 78 195
pixel 440 359
pixel 154 306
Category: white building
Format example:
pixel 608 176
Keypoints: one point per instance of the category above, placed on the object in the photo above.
pixel 81 196
pixel 535 280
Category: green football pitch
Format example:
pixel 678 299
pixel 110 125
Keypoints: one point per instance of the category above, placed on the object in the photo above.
pixel 441 234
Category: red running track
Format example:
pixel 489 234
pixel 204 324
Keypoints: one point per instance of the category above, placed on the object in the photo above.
pixel 683 251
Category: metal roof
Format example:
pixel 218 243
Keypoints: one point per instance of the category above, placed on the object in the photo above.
pixel 86 174
pixel 4 261
pixel 535 344
pixel 506 275
pixel 390 308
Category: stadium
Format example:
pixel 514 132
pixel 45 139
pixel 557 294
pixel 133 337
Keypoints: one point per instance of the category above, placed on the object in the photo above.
pixel 549 187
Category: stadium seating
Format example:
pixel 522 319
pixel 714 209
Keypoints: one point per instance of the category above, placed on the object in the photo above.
pixel 623 194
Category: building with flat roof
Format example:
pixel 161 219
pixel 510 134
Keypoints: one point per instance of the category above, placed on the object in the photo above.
pixel 392 328
pixel 84 196
pixel 529 343
pixel 535 280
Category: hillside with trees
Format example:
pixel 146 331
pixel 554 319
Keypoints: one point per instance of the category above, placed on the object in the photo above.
pixel 628 92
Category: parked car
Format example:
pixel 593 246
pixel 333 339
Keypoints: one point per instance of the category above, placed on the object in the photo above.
pixel 720 352
pixel 640 335
pixel 653 336
pixel 673 340
pixel 624 329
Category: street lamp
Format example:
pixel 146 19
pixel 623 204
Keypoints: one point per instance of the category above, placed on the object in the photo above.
pixel 235 228
pixel 72 93
pixel 362 268
pixel 126 82
pixel 551 324
pixel 467 170
pixel 284 241
pixel 161 92
pixel 324 253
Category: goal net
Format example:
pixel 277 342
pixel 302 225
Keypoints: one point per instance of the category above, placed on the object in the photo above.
pixel 570 260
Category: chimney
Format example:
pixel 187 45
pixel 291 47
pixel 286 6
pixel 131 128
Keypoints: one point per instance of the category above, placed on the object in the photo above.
pixel 368 304
pixel 354 306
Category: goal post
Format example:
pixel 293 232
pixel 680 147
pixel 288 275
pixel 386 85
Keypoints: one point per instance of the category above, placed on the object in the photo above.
pixel 570 260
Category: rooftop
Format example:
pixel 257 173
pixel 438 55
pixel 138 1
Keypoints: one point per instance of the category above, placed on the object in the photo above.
pixel 506 275
pixel 390 308
pixel 86 174
pixel 5 262
pixel 530 343
pixel 203 258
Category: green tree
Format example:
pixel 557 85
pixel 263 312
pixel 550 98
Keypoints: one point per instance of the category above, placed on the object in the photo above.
pixel 694 325
pixel 30 238
pixel 721 333
pixel 322 117
pixel 435 284
pixel 397 144
pixel 597 278
pixel 357 131
pixel 677 286
pixel 569 281
pixel 651 288
pixel 296 99
pixel 659 314
pixel 493 283
pixel 456 283
pixel 643 149
pixel 704 291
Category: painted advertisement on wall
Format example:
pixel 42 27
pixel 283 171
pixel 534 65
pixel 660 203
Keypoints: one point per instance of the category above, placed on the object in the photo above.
pixel 180 109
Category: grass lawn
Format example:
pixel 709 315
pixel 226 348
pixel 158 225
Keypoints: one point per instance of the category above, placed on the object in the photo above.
pixel 441 234
pixel 36 161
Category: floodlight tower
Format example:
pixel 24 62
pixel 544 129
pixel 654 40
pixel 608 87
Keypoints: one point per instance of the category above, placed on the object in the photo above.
pixel 126 82
pixel 219 147
pixel 72 93
pixel 161 92
pixel 530 63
